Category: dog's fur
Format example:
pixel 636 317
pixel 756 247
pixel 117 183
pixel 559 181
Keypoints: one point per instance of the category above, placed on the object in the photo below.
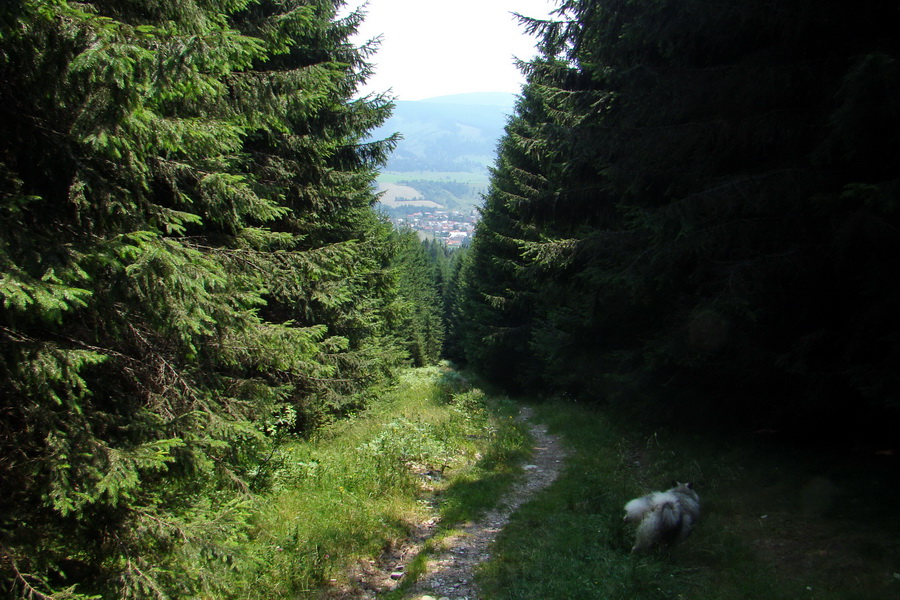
pixel 663 517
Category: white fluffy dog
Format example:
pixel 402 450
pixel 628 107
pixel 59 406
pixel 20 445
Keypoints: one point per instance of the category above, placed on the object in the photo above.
pixel 664 517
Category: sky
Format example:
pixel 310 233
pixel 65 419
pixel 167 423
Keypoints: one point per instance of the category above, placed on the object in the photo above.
pixel 435 48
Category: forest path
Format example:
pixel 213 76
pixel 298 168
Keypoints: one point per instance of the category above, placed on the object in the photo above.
pixel 450 570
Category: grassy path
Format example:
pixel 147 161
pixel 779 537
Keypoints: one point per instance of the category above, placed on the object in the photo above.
pixel 419 479
pixel 451 563
pixel 353 501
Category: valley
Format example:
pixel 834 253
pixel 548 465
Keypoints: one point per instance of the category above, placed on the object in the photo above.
pixel 435 179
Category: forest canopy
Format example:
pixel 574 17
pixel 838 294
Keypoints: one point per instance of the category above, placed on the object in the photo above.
pixel 694 211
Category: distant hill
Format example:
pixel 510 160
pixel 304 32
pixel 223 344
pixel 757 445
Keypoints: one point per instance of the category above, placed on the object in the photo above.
pixel 456 133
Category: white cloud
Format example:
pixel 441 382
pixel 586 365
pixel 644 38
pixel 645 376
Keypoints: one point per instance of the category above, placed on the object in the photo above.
pixel 438 47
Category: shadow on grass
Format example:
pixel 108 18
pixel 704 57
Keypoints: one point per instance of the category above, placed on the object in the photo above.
pixel 466 500
pixel 776 524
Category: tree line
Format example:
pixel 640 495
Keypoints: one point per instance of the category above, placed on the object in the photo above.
pixel 694 211
pixel 191 269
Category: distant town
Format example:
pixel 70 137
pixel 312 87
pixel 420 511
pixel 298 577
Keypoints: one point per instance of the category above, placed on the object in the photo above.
pixel 455 228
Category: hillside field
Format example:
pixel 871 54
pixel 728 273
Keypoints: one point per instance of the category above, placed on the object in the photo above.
pixel 432 188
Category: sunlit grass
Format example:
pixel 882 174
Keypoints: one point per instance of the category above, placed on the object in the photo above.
pixel 357 487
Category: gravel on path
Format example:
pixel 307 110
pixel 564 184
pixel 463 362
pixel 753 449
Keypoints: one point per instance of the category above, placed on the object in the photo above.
pixel 449 572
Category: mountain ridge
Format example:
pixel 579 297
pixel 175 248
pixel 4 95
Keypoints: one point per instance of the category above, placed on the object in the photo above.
pixel 455 133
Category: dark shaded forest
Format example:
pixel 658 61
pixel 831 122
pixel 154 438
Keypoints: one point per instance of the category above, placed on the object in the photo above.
pixel 694 213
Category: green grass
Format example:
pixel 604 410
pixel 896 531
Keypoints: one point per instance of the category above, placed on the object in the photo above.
pixel 776 524
pixel 477 179
pixel 357 487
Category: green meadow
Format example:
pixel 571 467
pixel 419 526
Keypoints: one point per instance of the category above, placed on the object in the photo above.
pixel 460 176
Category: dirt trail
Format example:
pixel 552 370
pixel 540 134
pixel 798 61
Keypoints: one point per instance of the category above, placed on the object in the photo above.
pixel 449 574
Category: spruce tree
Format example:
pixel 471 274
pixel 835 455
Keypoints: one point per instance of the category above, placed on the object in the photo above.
pixel 713 230
pixel 418 312
pixel 189 264
pixel 498 309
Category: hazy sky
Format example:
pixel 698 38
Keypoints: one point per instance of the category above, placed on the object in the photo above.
pixel 439 47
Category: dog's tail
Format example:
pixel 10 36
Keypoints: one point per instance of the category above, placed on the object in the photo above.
pixel 637 508
pixel 661 525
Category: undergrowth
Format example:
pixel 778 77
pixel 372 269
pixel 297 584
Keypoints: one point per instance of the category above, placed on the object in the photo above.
pixel 777 523
pixel 356 488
